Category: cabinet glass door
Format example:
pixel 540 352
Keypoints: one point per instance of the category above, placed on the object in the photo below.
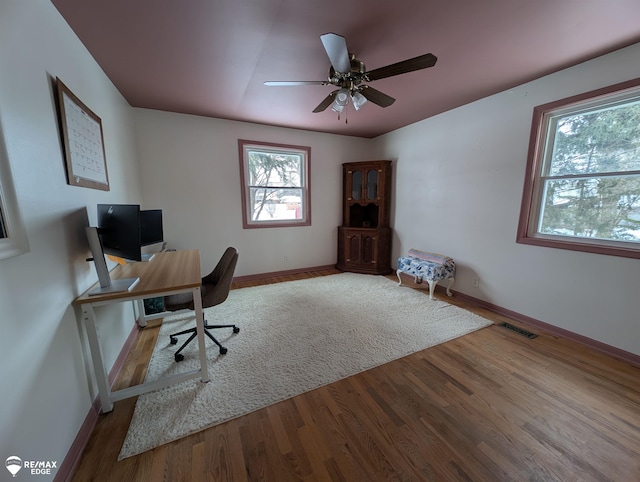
pixel 372 184
pixel 356 185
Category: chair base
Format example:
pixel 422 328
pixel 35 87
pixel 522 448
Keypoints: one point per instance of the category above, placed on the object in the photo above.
pixel 174 340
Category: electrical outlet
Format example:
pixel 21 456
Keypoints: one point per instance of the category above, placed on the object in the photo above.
pixel 285 259
pixel 475 282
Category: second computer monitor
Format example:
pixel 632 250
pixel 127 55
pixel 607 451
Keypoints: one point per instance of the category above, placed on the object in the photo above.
pixel 124 229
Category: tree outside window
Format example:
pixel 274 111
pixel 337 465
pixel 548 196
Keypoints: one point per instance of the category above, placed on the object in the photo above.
pixel 275 184
pixel 583 189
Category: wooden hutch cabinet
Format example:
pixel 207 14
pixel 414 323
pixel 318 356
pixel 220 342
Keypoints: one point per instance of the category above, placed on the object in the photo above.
pixel 364 239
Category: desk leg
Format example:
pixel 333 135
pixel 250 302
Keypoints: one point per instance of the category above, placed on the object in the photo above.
pixel 142 317
pixel 197 306
pixel 89 318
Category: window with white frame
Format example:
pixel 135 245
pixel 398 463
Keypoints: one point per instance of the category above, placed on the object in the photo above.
pixel 275 184
pixel 582 189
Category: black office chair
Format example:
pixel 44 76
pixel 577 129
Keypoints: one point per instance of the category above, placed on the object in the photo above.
pixel 215 289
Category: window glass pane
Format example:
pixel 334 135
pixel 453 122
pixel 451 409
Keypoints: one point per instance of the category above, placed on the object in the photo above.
pixel 606 208
pixel 274 169
pixel 372 184
pixel 356 184
pixel 274 204
pixel 603 141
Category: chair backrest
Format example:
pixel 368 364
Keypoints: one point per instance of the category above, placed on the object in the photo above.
pixel 216 285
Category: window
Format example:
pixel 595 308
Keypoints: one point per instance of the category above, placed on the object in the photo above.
pixel 13 236
pixel 582 189
pixel 3 232
pixel 275 185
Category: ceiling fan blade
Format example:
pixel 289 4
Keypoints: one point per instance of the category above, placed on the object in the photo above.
pixel 336 47
pixel 377 97
pixel 326 102
pixel 416 63
pixel 277 83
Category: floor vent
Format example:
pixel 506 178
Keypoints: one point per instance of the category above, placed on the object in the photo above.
pixel 520 331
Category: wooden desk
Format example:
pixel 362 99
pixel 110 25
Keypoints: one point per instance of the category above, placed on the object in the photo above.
pixel 167 273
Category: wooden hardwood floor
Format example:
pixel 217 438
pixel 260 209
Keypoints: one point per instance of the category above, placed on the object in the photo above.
pixel 489 406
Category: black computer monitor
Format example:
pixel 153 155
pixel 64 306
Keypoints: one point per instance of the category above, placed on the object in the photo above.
pixel 151 227
pixel 119 230
pixel 124 229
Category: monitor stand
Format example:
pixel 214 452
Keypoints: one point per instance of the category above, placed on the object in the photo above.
pixel 116 286
pixel 107 285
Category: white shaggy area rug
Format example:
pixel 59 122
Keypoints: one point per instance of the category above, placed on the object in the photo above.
pixel 294 336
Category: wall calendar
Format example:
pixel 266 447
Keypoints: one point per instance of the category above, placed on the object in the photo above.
pixel 83 142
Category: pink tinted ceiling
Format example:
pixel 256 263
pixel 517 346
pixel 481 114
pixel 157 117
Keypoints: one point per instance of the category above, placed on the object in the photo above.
pixel 211 57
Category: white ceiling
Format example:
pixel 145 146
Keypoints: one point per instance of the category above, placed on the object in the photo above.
pixel 211 57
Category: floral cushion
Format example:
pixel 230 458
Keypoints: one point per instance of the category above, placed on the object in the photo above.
pixel 427 266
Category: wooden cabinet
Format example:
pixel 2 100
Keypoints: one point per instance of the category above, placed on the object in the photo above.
pixel 364 250
pixel 364 239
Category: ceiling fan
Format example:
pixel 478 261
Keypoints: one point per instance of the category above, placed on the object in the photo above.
pixel 349 74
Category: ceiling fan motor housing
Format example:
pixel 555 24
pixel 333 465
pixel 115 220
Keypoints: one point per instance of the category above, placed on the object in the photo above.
pixel 348 80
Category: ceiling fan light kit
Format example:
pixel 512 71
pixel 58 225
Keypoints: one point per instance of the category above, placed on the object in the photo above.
pixel 341 100
pixel 348 74
pixel 358 100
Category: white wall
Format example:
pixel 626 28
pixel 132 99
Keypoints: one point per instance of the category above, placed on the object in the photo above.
pixel 48 387
pixel 459 179
pixel 191 171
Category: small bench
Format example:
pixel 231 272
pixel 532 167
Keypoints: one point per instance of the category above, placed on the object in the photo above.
pixel 429 267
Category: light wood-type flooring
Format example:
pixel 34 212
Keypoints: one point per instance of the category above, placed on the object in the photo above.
pixel 489 406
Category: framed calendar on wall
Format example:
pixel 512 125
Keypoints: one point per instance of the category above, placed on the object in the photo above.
pixel 83 142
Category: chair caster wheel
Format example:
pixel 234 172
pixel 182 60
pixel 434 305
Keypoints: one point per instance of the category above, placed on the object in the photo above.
pixel 174 340
pixel 223 350
pixel 236 329
pixel 179 357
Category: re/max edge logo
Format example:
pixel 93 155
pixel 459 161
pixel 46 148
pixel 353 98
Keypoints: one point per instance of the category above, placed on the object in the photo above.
pixel 15 464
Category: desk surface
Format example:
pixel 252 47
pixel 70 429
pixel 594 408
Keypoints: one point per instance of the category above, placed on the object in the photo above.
pixel 170 270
